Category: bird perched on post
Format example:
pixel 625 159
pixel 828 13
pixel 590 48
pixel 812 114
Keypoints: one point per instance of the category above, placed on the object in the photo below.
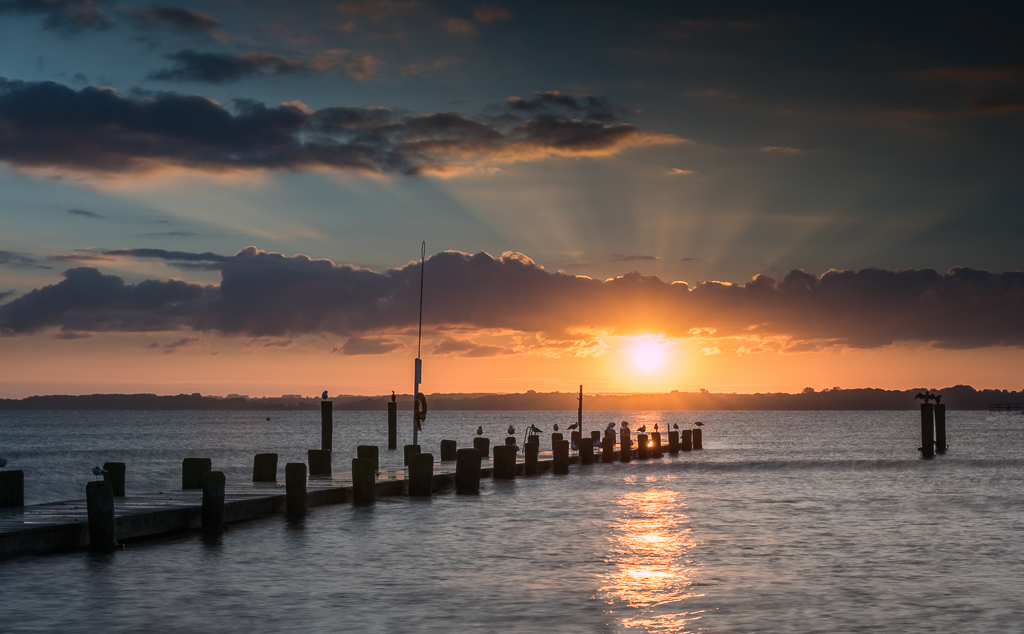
pixel 675 426
pixel 655 426
pixel 573 426
pixel 699 424
pixel 511 430
pixel 393 399
pixel 324 395
pixel 555 427
pixel 3 463
pixel 642 428
pixel 480 430
pixel 98 472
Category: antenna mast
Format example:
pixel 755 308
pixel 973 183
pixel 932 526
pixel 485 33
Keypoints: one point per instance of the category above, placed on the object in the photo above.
pixel 419 342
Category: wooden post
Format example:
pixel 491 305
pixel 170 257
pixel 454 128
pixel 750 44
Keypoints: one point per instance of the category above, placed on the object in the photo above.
pixel 364 481
pixel 510 440
pixel 448 449
pixel 213 501
pixel 673 442
pixel 643 452
pixel 579 415
pixel 940 428
pixel 586 451
pixel 319 462
pixel 504 462
pixel 555 437
pixel 608 449
pixel 560 463
pixel 596 436
pixel 656 437
pixel 12 489
pixel 295 488
pixel 421 474
pixel 99 500
pixel 264 467
pixel 326 427
pixel 192 470
pixel 410 450
pixel 625 446
pixel 575 437
pixel 483 445
pixel 467 471
pixel 532 453
pixel 392 425
pixel 698 439
pixel 927 429
pixel 686 440
pixel 115 476
pixel 371 453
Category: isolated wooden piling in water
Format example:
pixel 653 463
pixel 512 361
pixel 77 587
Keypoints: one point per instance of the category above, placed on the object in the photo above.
pixel 410 450
pixel 392 425
pixel 656 449
pixel 686 440
pixel 467 470
pixel 12 489
pixel 483 445
pixel 295 488
pixel 643 452
pixel 99 500
pixel 213 501
pixel 608 449
pixel 698 439
pixel 192 470
pixel 448 449
pixel 532 454
pixel 364 481
pixel 421 474
pixel 560 459
pixel 326 426
pixel 371 453
pixel 504 462
pixel 586 451
pixel 319 462
pixel 940 428
pixel 115 472
pixel 927 429
pixel 625 446
pixel 264 467
pixel 673 442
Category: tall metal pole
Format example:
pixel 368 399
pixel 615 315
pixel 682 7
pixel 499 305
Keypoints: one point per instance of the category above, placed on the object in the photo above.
pixel 579 415
pixel 419 362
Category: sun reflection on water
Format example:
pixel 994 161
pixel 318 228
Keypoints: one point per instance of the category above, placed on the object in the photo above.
pixel 652 575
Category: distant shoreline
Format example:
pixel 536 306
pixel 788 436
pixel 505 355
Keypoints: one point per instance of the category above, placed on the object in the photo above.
pixel 959 397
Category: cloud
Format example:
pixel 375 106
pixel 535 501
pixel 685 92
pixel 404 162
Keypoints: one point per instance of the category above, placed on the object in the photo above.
pixel 467 349
pixel 168 234
pixel 675 171
pixel 458 26
pixel 44 125
pixel 223 68
pixel 560 104
pixel 362 345
pixel 489 14
pixel 5 294
pixel 278 343
pixel 778 149
pixel 66 16
pixel 171 348
pixel 87 214
pixel 175 17
pixel 16 260
pixel 625 257
pixel 71 336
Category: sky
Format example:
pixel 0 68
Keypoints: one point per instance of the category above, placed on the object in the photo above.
pixel 231 197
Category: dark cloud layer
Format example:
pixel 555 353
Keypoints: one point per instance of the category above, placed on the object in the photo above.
pixel 17 260
pixel 68 16
pixel 48 125
pixel 174 17
pixel 269 295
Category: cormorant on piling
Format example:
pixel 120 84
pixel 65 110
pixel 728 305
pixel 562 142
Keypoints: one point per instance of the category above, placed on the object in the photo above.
pixel 393 399
pixel 98 471
pixel 3 463
pixel 699 424
pixel 324 395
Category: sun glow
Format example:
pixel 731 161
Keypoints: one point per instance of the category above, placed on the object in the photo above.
pixel 648 354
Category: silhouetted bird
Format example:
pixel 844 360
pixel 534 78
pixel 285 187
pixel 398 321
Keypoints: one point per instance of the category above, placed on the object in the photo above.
pixel 324 395
pixel 98 471
pixel 572 446
pixel 511 430
pixel 938 398
pixel 655 426
pixel 675 425
pixel 699 424
pixel 268 418
pixel 555 427
pixel 642 428
pixel 920 395
pixel 535 429
pixel 573 426
pixel 3 463
pixel 480 430
pixel 393 399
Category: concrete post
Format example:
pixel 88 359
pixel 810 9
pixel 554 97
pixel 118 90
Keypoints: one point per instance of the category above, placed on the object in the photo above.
pixel 940 428
pixel 213 501
pixel 656 437
pixel 483 445
pixel 421 475
pixel 326 427
pixel 410 450
pixel 392 426
pixel 643 452
pixel 115 476
pixel 686 440
pixel 12 489
pixel 264 467
pixel 625 446
pixel 504 462
pixel 364 481
pixel 192 470
pixel 295 488
pixel 927 429
pixel 319 462
pixel 448 449
pixel 99 499
pixel 532 453
pixel 371 453
pixel 698 439
pixel 467 471
pixel 560 462
pixel 673 442
pixel 608 449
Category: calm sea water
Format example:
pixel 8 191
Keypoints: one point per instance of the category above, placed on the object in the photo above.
pixel 786 522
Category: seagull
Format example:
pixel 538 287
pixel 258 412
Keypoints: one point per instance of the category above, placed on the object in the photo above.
pixel 480 430
pixel 573 446
pixel 699 424
pixel 642 428
pixel 3 463
pixel 655 426
pixel 535 429
pixel 675 425
pixel 511 430
pixel 516 448
pixel 98 471
pixel 556 427
pixel 324 395
pixel 574 426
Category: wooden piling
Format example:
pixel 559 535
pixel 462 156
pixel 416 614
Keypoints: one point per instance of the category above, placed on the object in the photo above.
pixel 555 437
pixel 295 488
pixel 115 476
pixel 927 429
pixel 504 462
pixel 510 440
pixel 656 450
pixel 608 449
pixel 326 427
pixel 392 425
pixel 410 450
pixel 364 481
pixel 940 428
pixel 213 501
pixel 560 459
pixel 192 470
pixel 12 489
pixel 319 462
pixel 596 436
pixel 448 449
pixel 586 451
pixel 467 471
pixel 483 445
pixel 99 500
pixel 698 439
pixel 264 467
pixel 673 442
pixel 575 437
pixel 421 474
pixel 643 452
pixel 532 454
pixel 686 440
pixel 625 446
pixel 371 453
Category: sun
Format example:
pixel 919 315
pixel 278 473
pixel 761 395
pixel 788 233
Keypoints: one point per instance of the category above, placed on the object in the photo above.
pixel 648 355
